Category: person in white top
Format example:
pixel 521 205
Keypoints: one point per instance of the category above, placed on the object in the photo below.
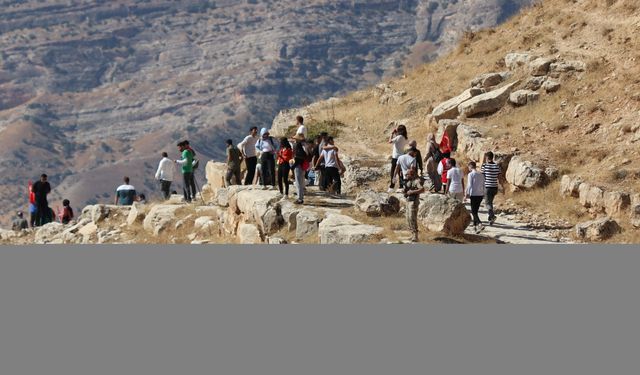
pixel 248 149
pixel 405 163
pixel 399 140
pixel 301 128
pixel 455 182
pixel 332 167
pixel 164 174
pixel 475 191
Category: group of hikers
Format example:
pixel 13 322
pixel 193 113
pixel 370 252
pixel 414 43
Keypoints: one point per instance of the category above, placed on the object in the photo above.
pixel 444 174
pixel 308 162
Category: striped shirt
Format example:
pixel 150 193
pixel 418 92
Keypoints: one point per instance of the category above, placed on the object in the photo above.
pixel 491 172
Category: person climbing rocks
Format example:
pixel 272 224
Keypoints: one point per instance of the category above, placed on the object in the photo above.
pixel 475 192
pixel 405 163
pixel 455 180
pixel 234 160
pixel 248 149
pixel 399 140
pixel 19 223
pixel 412 189
pixel 268 148
pixel 40 190
pixel 67 212
pixel 284 157
pixel 164 174
pixel 186 164
pixel 125 193
pixel 492 177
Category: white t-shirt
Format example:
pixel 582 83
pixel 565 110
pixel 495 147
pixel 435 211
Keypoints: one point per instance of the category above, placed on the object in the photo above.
pixel 302 130
pixel 330 158
pixel 406 162
pixel 399 143
pixel 248 145
pixel 454 178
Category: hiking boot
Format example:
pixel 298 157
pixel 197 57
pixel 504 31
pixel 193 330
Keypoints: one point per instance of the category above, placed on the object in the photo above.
pixel 492 220
pixel 478 229
pixel 390 190
pixel 298 201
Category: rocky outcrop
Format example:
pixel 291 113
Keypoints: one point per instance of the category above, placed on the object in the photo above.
pixel 597 230
pixel 307 223
pixel 551 85
pixel 449 108
pixel 540 66
pixel 568 66
pixel 47 232
pixel 487 103
pixel 569 186
pixel 249 234
pixel 386 94
pixel 523 174
pixel 591 196
pixel 341 229
pixel 522 97
pixel 215 174
pixel 159 218
pixel 515 60
pixel 488 80
pixel 635 211
pixel 377 204
pixel 441 213
pixel 136 214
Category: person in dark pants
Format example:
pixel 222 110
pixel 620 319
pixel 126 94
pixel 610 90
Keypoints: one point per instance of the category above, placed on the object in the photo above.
pixel 331 167
pixel 248 149
pixel 234 159
pixel 475 192
pixel 187 171
pixel 40 190
pixel 164 174
pixel 267 146
pixel 285 155
pixel 491 172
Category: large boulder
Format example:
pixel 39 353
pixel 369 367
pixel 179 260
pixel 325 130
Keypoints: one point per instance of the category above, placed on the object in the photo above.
pixel 488 80
pixel 597 230
pixel 361 172
pixel 487 103
pixel 136 213
pixel 261 206
pixel 159 218
pixel 232 196
pixel 95 213
pixel 215 173
pixel 48 232
pixel 615 202
pixel 570 185
pixel 567 66
pixel 249 234
pixel 449 108
pixel 515 60
pixel 522 97
pixel 523 174
pixel 591 196
pixel 7 234
pixel 289 213
pixel 307 224
pixel 377 204
pixel 534 83
pixel 540 66
pixel 551 85
pixel 635 211
pixel 441 213
pixel 341 229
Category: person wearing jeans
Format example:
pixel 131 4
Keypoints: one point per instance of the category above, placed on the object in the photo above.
pixel 248 149
pixel 187 171
pixel 491 172
pixel 475 192
pixel 268 147
pixel 299 157
pixel 164 174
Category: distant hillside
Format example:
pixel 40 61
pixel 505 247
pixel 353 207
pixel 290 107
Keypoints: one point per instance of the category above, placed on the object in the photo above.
pixel 93 90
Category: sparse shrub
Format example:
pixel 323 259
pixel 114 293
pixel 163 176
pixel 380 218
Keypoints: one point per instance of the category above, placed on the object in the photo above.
pixel 314 128
pixel 620 175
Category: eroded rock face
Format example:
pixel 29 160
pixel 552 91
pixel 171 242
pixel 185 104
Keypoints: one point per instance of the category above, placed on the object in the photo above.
pixel 591 196
pixel 215 173
pixel 487 103
pixel 569 186
pixel 159 218
pixel 341 229
pixel 441 213
pixel 249 234
pixel 449 108
pixel 47 232
pixel 523 174
pixel 597 230
pixel 307 222
pixel 377 204
pixel 136 214
pixel 567 66
pixel 551 85
pixel 540 66
pixel 635 211
pixel 522 97
pixel 516 60
pixel 488 80
pixel 615 202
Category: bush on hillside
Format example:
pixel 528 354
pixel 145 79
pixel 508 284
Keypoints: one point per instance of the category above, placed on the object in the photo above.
pixel 314 128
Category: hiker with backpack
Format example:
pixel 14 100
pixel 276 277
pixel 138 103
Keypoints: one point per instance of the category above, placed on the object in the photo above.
pixel 187 164
pixel 40 190
pixel 399 140
pixel 285 156
pixel 406 162
pixel 234 159
pixel 164 174
pixel 248 149
pixel 432 159
pixel 492 177
pixel 268 148
pixel 475 192
pixel 302 154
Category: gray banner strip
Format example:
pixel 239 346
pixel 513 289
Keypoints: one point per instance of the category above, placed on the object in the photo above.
pixel 319 310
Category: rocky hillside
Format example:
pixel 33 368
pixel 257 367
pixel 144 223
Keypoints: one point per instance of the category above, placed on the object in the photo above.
pixel 93 90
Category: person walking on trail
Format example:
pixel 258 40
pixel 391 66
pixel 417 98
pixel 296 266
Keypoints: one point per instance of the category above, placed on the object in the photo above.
pixel 432 159
pixel 492 176
pixel 405 163
pixel 186 164
pixel 399 140
pixel 412 190
pixel 300 165
pixel 234 160
pixel 475 192
pixel 332 167
pixel 19 223
pixel 284 158
pixel 455 181
pixel 443 168
pixel 164 174
pixel 40 190
pixel 248 149
pixel 268 148
pixel 125 193
pixel 418 157
pixel 301 128
pixel 67 212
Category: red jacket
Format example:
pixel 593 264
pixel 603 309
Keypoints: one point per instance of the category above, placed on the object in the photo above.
pixel 284 155
pixel 445 144
pixel 445 169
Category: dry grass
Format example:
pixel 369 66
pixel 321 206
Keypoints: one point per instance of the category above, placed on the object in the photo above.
pixel 548 200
